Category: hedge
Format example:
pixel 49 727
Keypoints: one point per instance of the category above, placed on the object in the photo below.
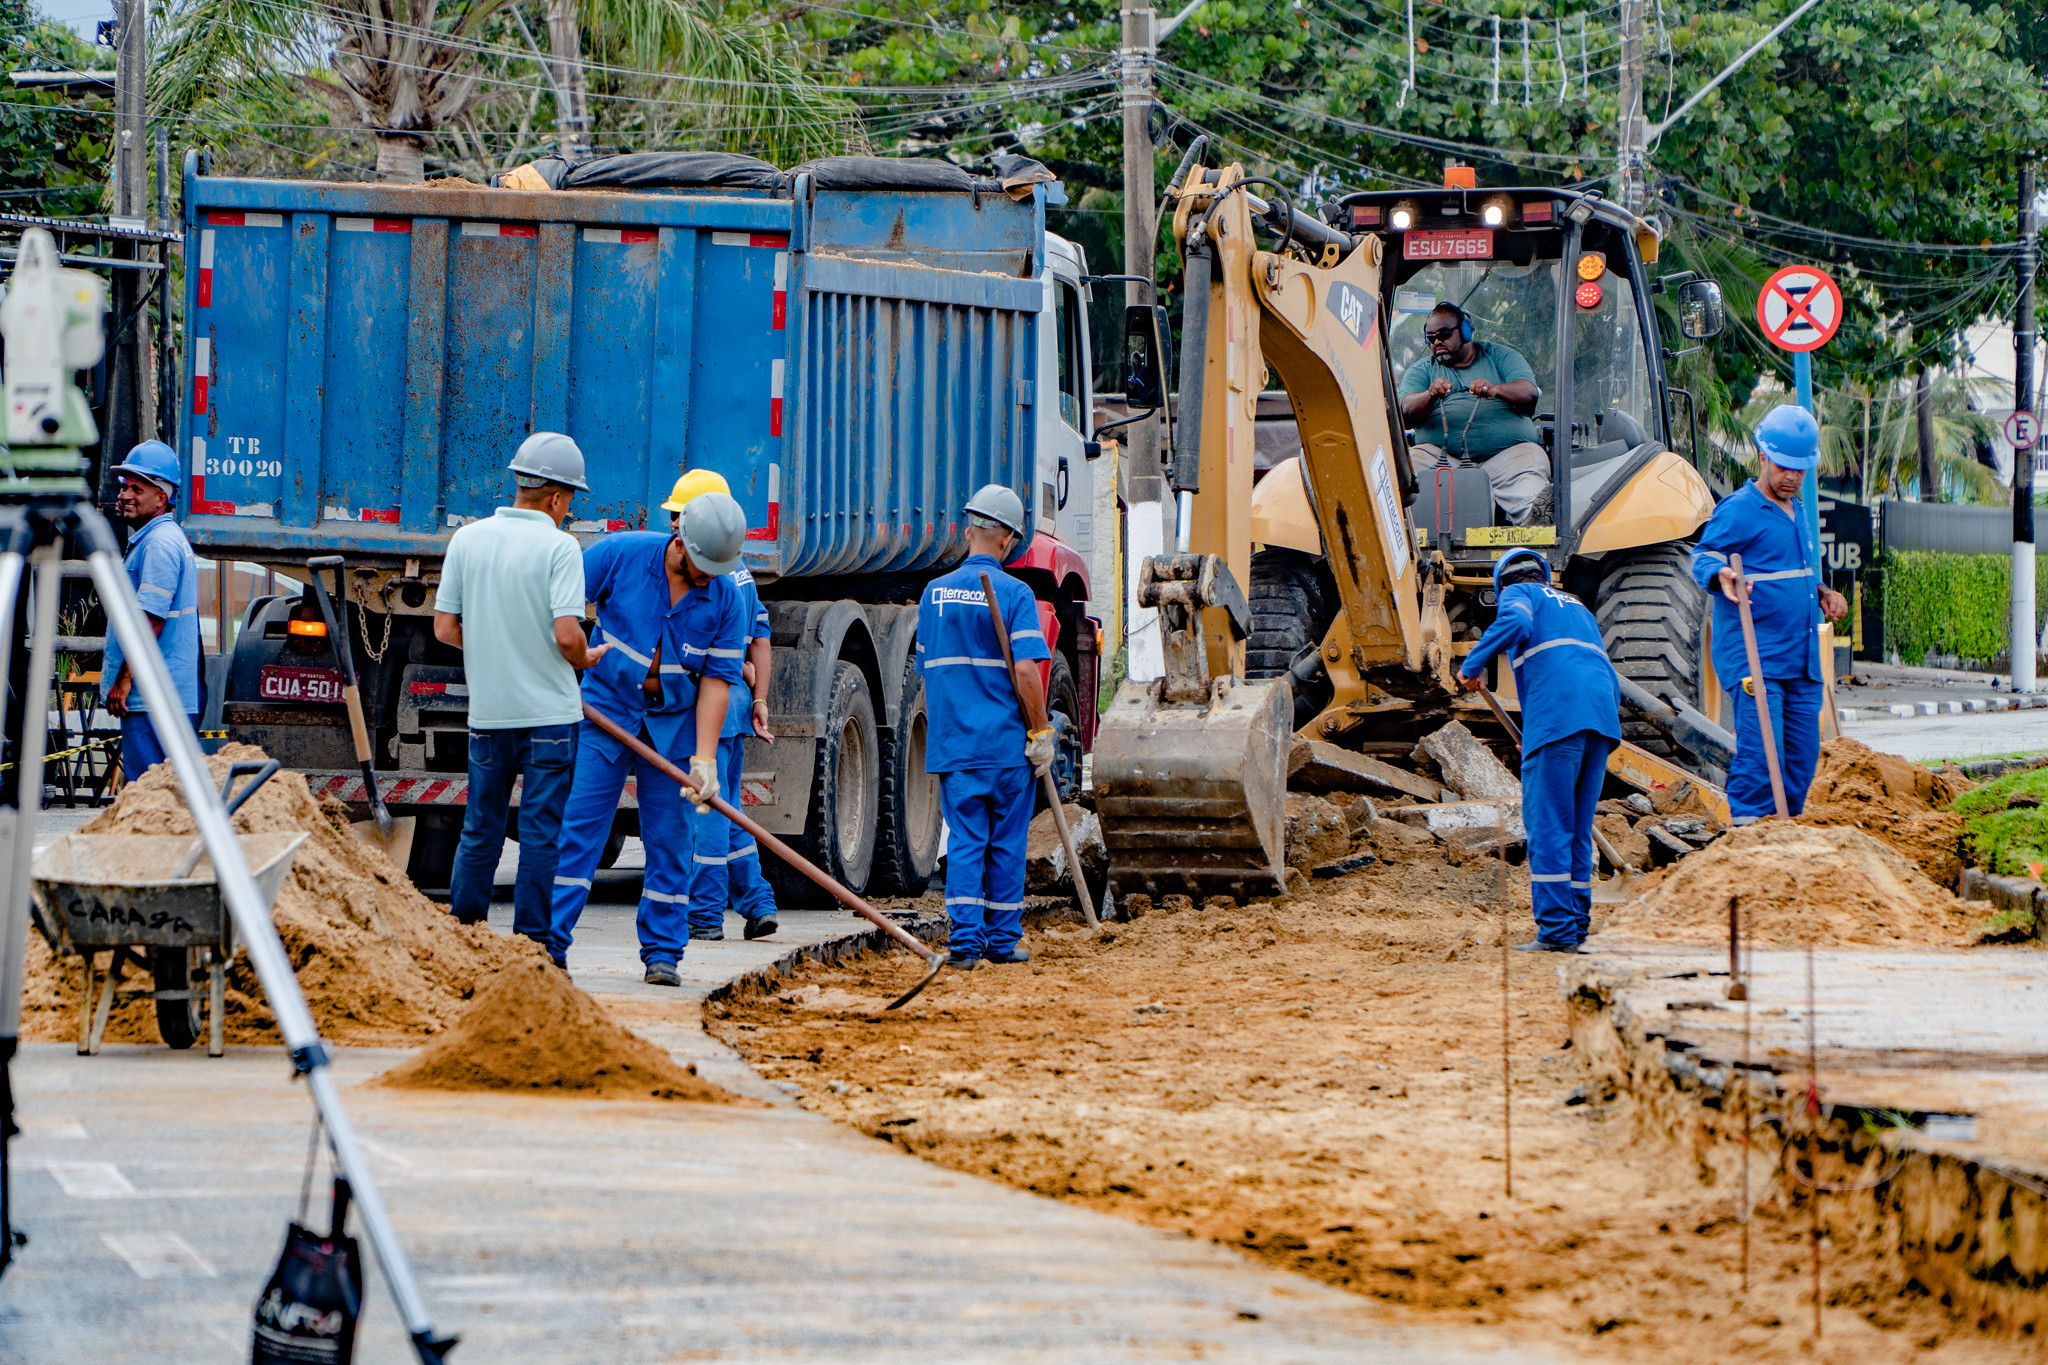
pixel 1937 603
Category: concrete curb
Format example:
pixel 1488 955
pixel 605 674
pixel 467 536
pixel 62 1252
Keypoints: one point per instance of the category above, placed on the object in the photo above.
pixel 755 980
pixel 1963 706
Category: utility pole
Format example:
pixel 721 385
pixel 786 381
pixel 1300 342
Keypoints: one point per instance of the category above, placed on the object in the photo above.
pixel 131 396
pixel 1146 501
pixel 2023 338
pixel 572 93
pixel 1631 178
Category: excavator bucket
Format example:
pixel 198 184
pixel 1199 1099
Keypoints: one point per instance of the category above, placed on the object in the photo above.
pixel 1191 770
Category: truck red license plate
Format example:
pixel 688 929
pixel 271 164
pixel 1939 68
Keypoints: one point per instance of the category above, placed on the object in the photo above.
pixel 1449 244
pixel 281 683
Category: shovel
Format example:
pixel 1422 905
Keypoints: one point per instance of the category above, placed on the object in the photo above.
pixel 392 836
pixel 1605 892
pixel 1052 788
pixel 933 961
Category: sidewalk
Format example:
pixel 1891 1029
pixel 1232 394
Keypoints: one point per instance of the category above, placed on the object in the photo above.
pixel 155 1187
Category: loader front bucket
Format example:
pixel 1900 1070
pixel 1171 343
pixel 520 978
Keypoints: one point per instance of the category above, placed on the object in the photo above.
pixel 1192 795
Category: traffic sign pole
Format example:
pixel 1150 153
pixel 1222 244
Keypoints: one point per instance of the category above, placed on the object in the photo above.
pixel 1809 489
pixel 2023 424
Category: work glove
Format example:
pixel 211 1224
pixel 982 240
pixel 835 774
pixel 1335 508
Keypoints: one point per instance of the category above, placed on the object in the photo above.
pixel 704 772
pixel 1038 750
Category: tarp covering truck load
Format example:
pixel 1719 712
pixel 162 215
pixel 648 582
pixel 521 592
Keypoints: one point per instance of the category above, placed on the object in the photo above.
pixel 855 355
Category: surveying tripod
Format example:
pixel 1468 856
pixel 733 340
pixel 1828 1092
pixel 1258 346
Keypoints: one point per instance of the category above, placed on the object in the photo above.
pixel 45 503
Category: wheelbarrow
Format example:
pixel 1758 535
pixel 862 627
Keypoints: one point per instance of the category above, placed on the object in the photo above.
pixel 153 897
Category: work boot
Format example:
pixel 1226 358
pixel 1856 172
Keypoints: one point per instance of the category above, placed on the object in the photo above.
pixel 962 962
pixel 1542 945
pixel 1008 959
pixel 663 974
pixel 708 935
pixel 760 926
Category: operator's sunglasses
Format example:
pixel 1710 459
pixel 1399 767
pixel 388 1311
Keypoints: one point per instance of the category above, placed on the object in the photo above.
pixel 1436 334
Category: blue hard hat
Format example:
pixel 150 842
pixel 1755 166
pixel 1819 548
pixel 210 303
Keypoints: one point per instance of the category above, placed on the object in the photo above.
pixel 1501 565
pixel 1789 437
pixel 152 460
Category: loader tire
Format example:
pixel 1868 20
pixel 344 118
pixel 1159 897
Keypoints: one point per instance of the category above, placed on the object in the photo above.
pixel 1293 601
pixel 907 839
pixel 1063 713
pixel 839 829
pixel 1653 620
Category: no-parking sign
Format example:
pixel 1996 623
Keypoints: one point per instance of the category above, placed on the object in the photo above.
pixel 1799 308
pixel 2022 430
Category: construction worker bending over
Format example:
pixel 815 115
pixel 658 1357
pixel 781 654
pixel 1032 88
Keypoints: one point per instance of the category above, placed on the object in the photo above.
pixel 511 599
pixel 1476 400
pixel 1763 522
pixel 165 574
pixel 980 749
pixel 1571 721
pixel 676 628
pixel 726 862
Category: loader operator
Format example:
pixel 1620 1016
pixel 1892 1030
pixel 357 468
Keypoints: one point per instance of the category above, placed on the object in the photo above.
pixel 165 575
pixel 675 622
pixel 1475 400
pixel 982 752
pixel 725 861
pixel 1571 709
pixel 1762 522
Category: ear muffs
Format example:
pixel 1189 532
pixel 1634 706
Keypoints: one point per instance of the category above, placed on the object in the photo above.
pixel 1465 328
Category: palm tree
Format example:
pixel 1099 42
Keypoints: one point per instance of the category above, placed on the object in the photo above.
pixel 1871 432
pixel 407 70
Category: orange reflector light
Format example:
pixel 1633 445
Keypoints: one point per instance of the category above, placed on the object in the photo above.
pixel 317 628
pixel 1588 294
pixel 1592 265
pixel 1460 178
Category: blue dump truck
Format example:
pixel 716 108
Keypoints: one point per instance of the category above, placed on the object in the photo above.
pixel 855 344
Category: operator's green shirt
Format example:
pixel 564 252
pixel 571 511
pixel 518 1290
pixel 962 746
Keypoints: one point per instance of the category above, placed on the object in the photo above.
pixel 1494 426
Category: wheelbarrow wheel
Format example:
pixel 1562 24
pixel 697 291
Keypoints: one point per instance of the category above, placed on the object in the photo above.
pixel 177 969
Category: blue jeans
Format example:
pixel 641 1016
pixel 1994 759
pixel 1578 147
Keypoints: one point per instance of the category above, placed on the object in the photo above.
pixel 546 756
pixel 988 817
pixel 601 767
pixel 1795 724
pixel 1560 787
pixel 139 748
pixel 726 862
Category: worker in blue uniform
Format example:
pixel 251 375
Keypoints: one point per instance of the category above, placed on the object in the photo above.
pixel 165 575
pixel 982 751
pixel 676 625
pixel 1571 721
pixel 1762 522
pixel 726 862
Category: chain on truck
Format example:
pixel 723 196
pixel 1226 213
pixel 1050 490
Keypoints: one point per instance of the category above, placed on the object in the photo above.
pixel 855 344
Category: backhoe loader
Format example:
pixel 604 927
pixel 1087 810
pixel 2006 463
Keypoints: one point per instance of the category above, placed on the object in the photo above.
pixel 1367 584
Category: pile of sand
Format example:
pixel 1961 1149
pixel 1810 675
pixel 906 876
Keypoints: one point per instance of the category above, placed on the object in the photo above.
pixel 378 961
pixel 531 1029
pixel 1798 883
pixel 1901 803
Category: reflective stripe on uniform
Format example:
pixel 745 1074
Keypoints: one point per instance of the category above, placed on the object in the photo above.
pixel 1027 635
pixel 1550 877
pixel 963 659
pixel 1776 574
pixel 665 897
pixel 1526 654
pixel 583 882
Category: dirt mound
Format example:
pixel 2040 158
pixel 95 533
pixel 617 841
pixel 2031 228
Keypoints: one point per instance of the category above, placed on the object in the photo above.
pixel 378 962
pixel 1798 883
pixel 1901 803
pixel 531 1029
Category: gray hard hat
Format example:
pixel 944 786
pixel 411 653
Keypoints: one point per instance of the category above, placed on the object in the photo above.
pixel 714 530
pixel 551 455
pixel 998 504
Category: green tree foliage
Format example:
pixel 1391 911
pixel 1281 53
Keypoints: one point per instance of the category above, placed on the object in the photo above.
pixel 53 148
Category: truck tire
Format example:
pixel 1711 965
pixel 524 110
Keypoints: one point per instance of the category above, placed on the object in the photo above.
pixel 1063 710
pixel 839 829
pixel 907 835
pixel 177 1020
pixel 1653 620
pixel 1293 603
pixel 434 842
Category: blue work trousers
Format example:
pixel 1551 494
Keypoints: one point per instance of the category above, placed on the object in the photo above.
pixel 1560 787
pixel 545 756
pixel 1795 724
pixel 602 764
pixel 988 816
pixel 726 862
pixel 140 750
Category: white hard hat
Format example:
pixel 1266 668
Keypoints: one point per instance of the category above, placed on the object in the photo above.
pixel 551 455
pixel 714 530
pixel 998 504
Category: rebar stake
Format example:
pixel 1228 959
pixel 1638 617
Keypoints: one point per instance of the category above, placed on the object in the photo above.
pixel 1507 1096
pixel 1735 921
pixel 1813 1140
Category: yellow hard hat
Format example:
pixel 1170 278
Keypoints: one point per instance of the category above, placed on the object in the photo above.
pixel 691 484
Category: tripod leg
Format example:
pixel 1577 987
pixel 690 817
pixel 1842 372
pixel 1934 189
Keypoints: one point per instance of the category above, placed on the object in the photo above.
pixel 216 1006
pixel 250 912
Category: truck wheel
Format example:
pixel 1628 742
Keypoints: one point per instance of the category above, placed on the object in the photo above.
pixel 839 831
pixel 1653 620
pixel 907 836
pixel 434 841
pixel 1293 602
pixel 1063 710
pixel 176 1020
